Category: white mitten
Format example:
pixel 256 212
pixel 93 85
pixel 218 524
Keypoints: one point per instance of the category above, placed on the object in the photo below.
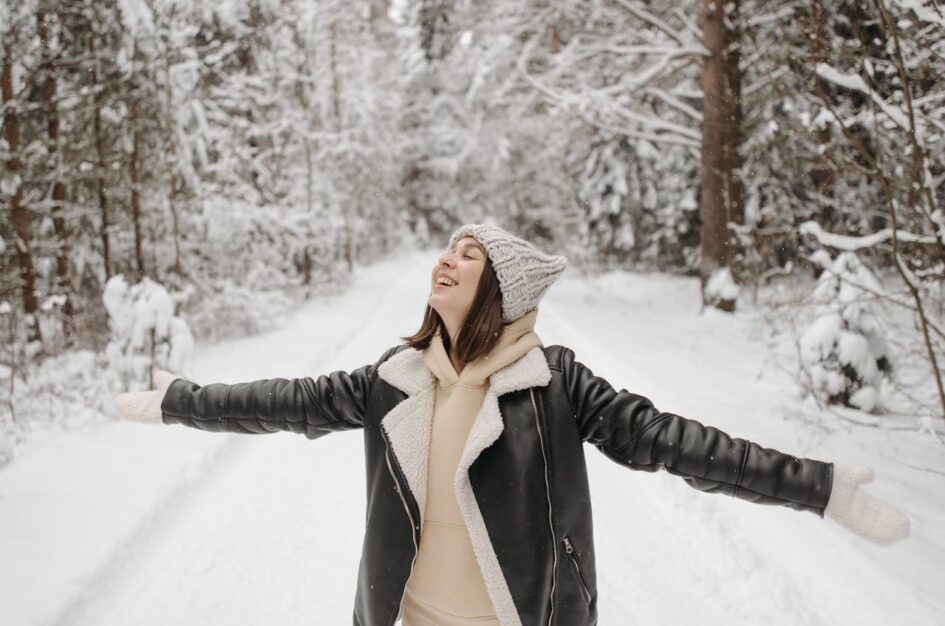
pixel 858 511
pixel 145 406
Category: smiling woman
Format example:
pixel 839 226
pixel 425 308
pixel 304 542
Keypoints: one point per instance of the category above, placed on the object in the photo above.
pixel 475 290
pixel 456 281
pixel 479 507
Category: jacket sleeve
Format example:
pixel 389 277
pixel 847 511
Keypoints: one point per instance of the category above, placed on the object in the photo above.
pixel 631 431
pixel 312 407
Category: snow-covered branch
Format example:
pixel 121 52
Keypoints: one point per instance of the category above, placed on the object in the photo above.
pixel 654 21
pixel 676 103
pixel 849 243
pixel 855 82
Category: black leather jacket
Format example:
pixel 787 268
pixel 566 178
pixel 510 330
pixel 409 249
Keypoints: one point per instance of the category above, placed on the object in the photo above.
pixel 542 537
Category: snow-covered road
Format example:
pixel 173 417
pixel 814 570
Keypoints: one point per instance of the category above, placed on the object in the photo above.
pixel 267 529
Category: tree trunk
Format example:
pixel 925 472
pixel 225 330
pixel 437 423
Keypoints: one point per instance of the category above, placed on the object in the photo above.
pixel 335 83
pixel 349 246
pixel 136 183
pixel 102 162
pixel 721 192
pixel 172 174
pixel 822 175
pixel 49 91
pixel 18 213
pixel 733 105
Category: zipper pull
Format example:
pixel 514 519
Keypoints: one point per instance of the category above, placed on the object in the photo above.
pixel 567 545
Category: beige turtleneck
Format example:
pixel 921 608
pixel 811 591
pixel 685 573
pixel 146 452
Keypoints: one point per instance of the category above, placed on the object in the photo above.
pixel 446 587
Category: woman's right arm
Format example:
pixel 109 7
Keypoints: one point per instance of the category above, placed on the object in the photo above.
pixel 312 407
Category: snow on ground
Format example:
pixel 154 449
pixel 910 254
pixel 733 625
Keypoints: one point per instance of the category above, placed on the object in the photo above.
pixel 674 555
pixel 134 524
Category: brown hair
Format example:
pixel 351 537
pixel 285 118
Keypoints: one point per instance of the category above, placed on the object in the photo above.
pixel 480 330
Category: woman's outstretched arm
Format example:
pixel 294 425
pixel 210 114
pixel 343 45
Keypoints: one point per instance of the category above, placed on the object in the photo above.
pixel 631 431
pixel 312 407
pixel 627 428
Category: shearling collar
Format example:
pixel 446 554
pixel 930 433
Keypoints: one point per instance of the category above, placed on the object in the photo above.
pixel 407 372
pixel 408 426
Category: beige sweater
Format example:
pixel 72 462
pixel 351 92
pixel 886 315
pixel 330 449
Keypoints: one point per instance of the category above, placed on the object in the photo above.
pixel 446 587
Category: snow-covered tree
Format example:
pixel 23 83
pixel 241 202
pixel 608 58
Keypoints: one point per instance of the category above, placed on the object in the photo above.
pixel 145 333
pixel 844 350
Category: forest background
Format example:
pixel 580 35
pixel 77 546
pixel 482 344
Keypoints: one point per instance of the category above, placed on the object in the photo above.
pixel 172 170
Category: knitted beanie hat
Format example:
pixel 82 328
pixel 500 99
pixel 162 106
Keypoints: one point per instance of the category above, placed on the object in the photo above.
pixel 524 272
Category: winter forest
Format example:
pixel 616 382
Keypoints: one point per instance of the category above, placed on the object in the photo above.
pixel 750 194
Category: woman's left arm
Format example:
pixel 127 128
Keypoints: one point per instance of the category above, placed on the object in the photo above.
pixel 628 429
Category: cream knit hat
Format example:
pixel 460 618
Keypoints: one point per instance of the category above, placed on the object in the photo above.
pixel 524 272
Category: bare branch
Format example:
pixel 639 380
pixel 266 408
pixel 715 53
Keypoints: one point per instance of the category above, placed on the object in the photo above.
pixel 652 20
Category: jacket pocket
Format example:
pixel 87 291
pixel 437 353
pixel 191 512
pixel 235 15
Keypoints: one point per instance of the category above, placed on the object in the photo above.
pixel 576 566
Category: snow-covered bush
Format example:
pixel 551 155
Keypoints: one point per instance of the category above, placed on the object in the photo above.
pixel 70 391
pixel 145 332
pixel 240 311
pixel 843 349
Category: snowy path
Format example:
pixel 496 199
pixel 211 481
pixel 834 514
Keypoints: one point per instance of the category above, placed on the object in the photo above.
pixel 668 554
pixel 269 531
pixel 272 533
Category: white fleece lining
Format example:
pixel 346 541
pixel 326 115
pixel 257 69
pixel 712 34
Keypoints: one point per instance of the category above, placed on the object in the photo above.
pixel 485 430
pixel 408 426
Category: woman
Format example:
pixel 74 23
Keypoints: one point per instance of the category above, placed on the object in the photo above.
pixel 479 510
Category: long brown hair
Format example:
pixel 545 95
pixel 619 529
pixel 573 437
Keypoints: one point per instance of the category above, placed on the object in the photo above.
pixel 480 330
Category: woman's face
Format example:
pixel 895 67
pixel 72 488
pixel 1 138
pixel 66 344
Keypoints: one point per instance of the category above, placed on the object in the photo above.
pixel 463 263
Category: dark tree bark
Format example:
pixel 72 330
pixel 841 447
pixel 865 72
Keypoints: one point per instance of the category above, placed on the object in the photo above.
pixel 734 133
pixel 19 215
pixel 49 91
pixel 102 161
pixel 822 175
pixel 722 198
pixel 135 171
pixel 172 174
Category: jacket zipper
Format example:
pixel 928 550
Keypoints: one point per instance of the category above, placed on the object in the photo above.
pixel 413 534
pixel 551 526
pixel 577 567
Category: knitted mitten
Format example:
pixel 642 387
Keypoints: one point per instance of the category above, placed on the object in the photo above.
pixel 145 406
pixel 858 511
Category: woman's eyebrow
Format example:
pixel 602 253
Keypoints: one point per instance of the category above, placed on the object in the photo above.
pixel 471 244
